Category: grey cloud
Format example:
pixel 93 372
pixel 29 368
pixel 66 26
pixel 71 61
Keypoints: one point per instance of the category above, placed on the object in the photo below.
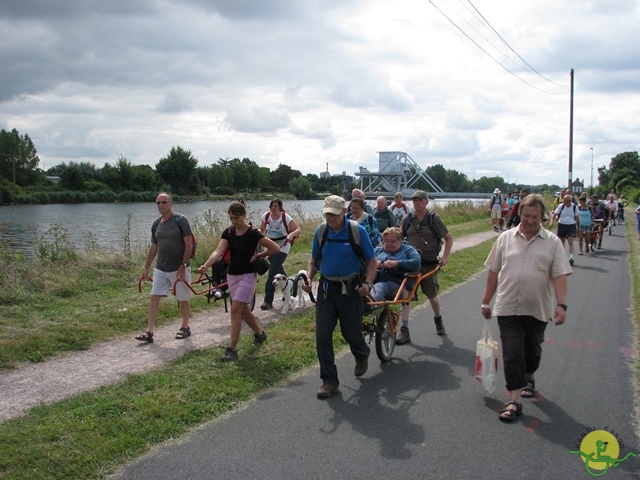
pixel 257 120
pixel 173 103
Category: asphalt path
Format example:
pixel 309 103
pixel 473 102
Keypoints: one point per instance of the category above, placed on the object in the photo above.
pixel 423 415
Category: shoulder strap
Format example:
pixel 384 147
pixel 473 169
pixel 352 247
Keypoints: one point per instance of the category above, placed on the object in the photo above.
pixel 267 217
pixel 177 217
pixel 284 220
pixel 405 224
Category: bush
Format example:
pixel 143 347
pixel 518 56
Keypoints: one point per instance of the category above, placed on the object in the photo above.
pixel 225 191
pixel 42 198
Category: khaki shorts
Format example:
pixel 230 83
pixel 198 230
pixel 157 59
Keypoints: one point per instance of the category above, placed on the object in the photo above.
pixel 429 286
pixel 496 214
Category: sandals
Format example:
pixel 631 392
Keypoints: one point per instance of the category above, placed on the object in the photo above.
pixel 145 337
pixel 509 414
pixel 530 390
pixel 183 333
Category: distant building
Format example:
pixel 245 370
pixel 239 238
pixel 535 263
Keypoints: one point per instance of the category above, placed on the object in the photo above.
pixel 577 186
pixel 53 179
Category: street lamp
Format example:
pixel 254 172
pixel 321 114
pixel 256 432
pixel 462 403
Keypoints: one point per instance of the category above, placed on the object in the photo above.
pixel 591 170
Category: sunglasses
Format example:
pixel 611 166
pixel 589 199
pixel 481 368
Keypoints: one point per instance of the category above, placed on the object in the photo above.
pixel 162 202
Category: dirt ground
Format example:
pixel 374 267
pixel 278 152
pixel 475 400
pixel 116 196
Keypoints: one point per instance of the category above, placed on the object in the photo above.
pixel 71 374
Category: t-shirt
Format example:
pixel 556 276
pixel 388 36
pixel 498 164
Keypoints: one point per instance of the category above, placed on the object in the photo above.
pixel 275 229
pixel 242 248
pixel 338 258
pixel 567 215
pixel 170 241
pixel 419 236
pixel 585 217
pixel 399 211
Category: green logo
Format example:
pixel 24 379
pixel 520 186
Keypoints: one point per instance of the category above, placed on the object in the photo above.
pixel 600 450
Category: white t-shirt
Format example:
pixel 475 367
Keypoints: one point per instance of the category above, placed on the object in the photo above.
pixel 275 229
pixel 399 212
pixel 567 215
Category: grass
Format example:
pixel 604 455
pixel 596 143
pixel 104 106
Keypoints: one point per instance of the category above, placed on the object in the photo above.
pixel 91 435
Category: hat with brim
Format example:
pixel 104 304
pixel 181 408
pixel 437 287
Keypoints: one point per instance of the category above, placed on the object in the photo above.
pixel 333 204
pixel 421 194
pixel 496 191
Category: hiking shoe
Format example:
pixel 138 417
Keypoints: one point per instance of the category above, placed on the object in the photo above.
pixel 404 336
pixel 361 367
pixel 439 325
pixel 259 339
pixel 266 306
pixel 230 355
pixel 325 391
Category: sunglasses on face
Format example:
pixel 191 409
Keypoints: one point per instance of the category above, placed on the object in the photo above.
pixel 162 202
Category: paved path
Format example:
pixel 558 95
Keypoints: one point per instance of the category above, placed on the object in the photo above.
pixel 423 415
pixel 71 374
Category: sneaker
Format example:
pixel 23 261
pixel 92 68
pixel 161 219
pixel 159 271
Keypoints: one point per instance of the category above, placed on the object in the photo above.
pixel 325 391
pixel 571 261
pixel 439 325
pixel 259 339
pixel 266 306
pixel 230 355
pixel 361 367
pixel 404 336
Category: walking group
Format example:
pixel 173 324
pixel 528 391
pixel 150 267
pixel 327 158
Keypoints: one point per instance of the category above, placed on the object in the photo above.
pixel 359 253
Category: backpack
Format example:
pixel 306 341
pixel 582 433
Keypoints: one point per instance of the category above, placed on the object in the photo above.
pixel 284 223
pixel 354 241
pixel 574 210
pixel 430 219
pixel 177 217
pixel 495 200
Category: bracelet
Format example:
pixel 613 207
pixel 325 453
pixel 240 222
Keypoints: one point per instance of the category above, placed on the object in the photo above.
pixel 485 305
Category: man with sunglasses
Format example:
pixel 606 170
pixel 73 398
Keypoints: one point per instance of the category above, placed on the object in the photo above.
pixel 171 243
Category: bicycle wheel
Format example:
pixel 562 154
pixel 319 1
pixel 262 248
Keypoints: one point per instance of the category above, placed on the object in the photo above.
pixel 385 340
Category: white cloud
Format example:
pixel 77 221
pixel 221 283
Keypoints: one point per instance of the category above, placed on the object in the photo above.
pixel 316 82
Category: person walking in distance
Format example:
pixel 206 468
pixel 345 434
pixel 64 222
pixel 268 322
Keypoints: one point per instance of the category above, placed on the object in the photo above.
pixel 423 230
pixel 495 207
pixel 525 259
pixel 277 225
pixel 171 243
pixel 339 258
pixel 399 208
pixel 568 217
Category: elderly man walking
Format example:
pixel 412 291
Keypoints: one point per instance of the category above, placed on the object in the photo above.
pixel 528 270
pixel 341 289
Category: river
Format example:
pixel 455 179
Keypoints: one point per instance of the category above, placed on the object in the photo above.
pixel 105 224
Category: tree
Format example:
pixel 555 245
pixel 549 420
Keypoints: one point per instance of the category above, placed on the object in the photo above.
pixel 178 169
pixel 282 175
pixel 19 155
pixel 301 188
pixel 623 172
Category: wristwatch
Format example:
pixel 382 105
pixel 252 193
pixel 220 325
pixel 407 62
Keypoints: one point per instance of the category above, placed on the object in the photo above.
pixel 185 264
pixel 563 306
pixel 369 284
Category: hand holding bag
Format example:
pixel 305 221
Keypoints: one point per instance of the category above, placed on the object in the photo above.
pixel 487 359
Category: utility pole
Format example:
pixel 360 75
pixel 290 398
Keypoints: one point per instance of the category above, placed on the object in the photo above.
pixel 571 134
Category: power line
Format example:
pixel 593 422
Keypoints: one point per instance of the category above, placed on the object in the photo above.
pixel 509 46
pixel 489 55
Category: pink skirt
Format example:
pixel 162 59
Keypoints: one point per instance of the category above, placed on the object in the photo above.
pixel 242 287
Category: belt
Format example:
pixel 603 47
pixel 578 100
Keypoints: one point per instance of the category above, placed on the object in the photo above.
pixel 346 282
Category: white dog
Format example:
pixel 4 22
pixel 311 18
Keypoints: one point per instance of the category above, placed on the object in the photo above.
pixel 291 288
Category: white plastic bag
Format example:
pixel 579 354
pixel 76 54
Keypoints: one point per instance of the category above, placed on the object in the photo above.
pixel 487 359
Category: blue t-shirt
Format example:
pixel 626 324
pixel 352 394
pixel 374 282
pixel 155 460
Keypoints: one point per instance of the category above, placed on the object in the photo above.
pixel 585 217
pixel 338 258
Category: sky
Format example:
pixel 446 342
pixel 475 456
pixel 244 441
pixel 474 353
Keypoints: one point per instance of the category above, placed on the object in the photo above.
pixel 481 87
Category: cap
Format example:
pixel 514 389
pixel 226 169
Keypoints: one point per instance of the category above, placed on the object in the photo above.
pixel 496 191
pixel 333 204
pixel 594 195
pixel 420 194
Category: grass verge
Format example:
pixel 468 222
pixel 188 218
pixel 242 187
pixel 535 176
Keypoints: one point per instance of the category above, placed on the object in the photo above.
pixel 91 435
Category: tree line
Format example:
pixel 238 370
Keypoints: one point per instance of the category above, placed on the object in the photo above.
pixel 23 181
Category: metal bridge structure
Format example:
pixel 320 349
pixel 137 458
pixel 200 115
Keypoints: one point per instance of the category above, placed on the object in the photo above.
pixel 397 172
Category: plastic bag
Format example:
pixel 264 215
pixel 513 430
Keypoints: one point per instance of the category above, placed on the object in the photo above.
pixel 487 359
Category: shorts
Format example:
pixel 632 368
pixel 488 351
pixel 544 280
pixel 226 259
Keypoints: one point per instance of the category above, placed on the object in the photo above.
pixel 566 231
pixel 429 285
pixel 242 287
pixel 163 282
pixel 586 228
pixel 496 214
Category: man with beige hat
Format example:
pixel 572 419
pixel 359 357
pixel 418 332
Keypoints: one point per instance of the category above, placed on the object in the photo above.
pixel 341 289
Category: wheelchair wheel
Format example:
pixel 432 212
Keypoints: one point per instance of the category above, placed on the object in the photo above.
pixel 385 340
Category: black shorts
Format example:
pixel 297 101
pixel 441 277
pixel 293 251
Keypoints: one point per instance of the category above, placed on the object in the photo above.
pixel 566 231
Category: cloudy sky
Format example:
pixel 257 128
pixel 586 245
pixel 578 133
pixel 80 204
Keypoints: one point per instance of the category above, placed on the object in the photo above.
pixel 481 87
